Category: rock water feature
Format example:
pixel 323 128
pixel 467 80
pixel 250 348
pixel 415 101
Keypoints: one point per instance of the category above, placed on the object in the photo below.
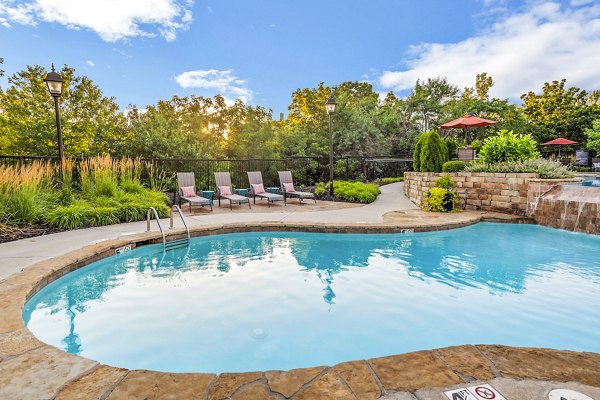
pixel 571 207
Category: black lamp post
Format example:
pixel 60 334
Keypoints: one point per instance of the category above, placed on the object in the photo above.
pixel 330 107
pixel 55 82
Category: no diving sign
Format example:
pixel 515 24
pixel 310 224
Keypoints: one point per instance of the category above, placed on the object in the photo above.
pixel 479 392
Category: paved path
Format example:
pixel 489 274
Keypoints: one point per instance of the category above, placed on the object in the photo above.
pixel 14 256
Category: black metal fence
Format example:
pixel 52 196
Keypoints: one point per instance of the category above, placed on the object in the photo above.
pixel 305 170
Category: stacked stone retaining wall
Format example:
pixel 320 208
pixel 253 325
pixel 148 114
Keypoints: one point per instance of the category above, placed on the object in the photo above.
pixel 501 192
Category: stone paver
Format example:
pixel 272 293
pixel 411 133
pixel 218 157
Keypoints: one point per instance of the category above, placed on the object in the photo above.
pixel 411 371
pixel 151 385
pixel 227 383
pixel 94 385
pixel 552 365
pixel 39 373
pixel 18 342
pixel 328 387
pixel 465 361
pixel 289 382
pixel 360 379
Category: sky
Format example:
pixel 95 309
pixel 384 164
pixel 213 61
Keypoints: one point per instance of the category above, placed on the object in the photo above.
pixel 260 51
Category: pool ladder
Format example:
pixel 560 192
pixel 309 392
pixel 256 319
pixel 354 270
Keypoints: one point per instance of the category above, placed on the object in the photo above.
pixel 173 243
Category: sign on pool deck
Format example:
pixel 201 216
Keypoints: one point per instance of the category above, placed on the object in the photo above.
pixel 479 392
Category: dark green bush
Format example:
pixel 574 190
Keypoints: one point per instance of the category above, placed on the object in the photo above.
pixel 452 148
pixel 433 153
pixel 417 152
pixel 454 166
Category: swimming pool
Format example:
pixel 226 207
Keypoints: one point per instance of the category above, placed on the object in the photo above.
pixel 276 300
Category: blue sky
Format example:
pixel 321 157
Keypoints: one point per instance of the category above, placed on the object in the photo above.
pixel 140 51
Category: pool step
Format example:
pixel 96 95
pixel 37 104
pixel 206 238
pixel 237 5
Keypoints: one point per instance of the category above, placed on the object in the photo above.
pixel 177 243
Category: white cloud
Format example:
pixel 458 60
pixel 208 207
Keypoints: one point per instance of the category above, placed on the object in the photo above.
pixel 111 20
pixel 521 52
pixel 90 63
pixel 224 82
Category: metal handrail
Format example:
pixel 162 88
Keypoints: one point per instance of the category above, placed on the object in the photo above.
pixel 148 218
pixel 176 207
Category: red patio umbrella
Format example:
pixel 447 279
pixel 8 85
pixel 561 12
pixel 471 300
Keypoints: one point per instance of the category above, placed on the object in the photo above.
pixel 467 121
pixel 559 142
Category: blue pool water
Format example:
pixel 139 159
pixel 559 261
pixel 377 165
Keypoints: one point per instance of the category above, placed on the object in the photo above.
pixel 275 300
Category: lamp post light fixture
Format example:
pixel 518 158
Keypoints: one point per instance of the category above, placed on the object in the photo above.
pixel 55 83
pixel 330 107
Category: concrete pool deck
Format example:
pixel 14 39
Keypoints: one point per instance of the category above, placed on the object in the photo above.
pixel 30 369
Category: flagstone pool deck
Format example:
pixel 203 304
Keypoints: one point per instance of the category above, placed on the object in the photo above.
pixel 30 369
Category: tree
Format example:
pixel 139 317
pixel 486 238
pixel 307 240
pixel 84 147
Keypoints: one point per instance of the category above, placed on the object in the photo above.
pixel 91 122
pixel 427 102
pixel 433 153
pixel 560 112
pixel 593 136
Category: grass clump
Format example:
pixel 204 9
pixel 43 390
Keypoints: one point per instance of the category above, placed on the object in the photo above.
pixel 105 192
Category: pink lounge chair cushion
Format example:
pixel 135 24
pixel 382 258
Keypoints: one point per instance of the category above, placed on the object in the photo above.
pixel 225 190
pixel 289 187
pixel 258 188
pixel 188 191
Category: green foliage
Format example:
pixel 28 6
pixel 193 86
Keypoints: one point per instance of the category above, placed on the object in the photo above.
pixel 593 136
pixel 560 111
pixel 433 153
pixel 356 192
pixel 477 145
pixel 452 148
pixel 442 197
pixel 439 200
pixel 321 189
pixel 91 123
pixel 417 151
pixel 547 169
pixel 444 182
pixel 507 146
pixel 393 179
pixel 454 166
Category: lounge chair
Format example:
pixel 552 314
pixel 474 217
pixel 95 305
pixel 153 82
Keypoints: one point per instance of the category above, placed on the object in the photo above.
pixel 188 192
pixel 288 189
pixel 257 189
pixel 225 191
pixel 595 164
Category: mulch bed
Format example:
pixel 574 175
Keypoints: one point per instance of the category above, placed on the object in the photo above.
pixel 11 233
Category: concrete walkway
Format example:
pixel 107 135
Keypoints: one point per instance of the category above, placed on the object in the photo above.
pixel 14 256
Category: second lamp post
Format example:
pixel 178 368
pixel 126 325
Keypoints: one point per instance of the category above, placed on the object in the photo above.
pixel 330 107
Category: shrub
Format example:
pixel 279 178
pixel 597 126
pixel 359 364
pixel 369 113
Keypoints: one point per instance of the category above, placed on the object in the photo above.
pixel 442 197
pixel 547 169
pixel 356 191
pixel 454 166
pixel 444 182
pixel 417 152
pixel 507 146
pixel 321 189
pixel 433 153
pixel 439 200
